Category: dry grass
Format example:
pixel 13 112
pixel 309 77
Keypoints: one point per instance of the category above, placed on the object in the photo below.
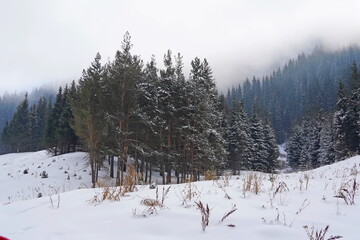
pixel 282 187
pixel 107 193
pixel 152 204
pixel 205 214
pixel 347 192
pixel 189 192
pixel 227 214
pixel 130 180
pixel 210 175
pixel 224 181
pixel 313 234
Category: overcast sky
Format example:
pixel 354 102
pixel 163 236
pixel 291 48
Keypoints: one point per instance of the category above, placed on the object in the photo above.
pixel 51 41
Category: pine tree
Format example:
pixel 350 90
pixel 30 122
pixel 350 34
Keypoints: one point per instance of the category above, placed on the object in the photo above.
pixel 207 142
pixel 89 117
pixel 123 76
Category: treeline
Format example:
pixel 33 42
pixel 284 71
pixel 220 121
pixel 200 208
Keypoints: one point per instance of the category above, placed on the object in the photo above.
pixel 180 127
pixel 326 138
pixel 304 86
pixel 9 102
pixel 41 125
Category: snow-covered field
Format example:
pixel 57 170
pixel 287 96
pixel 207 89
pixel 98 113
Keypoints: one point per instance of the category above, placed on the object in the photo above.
pixel 268 207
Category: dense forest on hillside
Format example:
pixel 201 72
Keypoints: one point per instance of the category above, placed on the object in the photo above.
pixel 304 86
pixel 162 120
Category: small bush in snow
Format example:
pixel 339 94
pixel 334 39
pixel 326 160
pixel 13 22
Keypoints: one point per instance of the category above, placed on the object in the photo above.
pixel 44 174
pixel 111 194
pixel 152 204
pixel 153 185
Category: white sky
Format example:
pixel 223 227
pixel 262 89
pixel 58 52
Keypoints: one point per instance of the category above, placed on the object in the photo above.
pixel 46 41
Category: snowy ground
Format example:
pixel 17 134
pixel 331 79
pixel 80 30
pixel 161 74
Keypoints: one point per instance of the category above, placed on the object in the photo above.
pixel 283 205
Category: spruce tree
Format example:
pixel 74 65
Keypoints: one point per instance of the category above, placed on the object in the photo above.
pixel 294 148
pixel 258 149
pixel 271 148
pixel 340 128
pixel 238 138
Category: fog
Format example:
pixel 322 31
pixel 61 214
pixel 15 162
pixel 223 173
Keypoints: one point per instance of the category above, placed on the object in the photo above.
pixel 52 41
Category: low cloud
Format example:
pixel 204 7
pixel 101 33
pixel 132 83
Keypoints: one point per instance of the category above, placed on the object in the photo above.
pixel 43 41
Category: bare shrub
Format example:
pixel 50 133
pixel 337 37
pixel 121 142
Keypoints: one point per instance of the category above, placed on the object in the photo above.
pixel 222 184
pixel 354 171
pixel 273 179
pixel 205 214
pixel 348 191
pixel 189 192
pixel 306 179
pixel 277 220
pixel 224 181
pixel 313 234
pixel 152 204
pixel 57 204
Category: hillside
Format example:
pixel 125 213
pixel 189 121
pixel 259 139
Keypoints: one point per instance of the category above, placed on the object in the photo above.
pixel 268 207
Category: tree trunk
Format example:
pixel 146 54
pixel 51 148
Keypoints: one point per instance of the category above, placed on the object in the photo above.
pixel 111 158
pixel 150 172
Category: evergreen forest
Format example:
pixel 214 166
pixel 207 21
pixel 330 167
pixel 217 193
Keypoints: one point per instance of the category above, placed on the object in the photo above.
pixel 160 120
